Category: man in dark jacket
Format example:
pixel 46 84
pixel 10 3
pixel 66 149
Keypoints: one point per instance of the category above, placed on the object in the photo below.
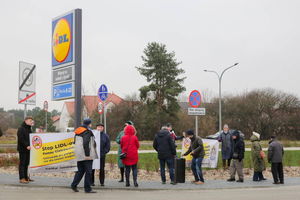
pixel 197 151
pixel 85 151
pixel 165 147
pixel 275 155
pixel 236 165
pixel 104 149
pixel 24 149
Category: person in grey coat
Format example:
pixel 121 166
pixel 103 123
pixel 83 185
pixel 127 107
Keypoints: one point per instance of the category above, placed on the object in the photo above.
pixel 85 152
pixel 275 156
pixel 226 139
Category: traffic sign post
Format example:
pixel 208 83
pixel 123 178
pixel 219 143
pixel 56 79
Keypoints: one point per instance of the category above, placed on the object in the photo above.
pixel 103 94
pixel 100 110
pixel 26 94
pixel 46 112
pixel 195 102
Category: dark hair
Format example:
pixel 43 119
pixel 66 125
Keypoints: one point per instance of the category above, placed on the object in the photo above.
pixel 189 132
pixel 100 124
pixel 28 117
pixel 168 125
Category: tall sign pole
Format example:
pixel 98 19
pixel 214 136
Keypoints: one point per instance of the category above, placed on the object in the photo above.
pixel 78 49
pixel 46 112
pixel 66 59
pixel 195 101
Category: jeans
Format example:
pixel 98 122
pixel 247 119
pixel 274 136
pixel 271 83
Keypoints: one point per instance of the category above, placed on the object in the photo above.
pixel 23 165
pixel 170 164
pixel 134 173
pixel 277 171
pixel 197 169
pixel 101 172
pixel 84 168
pixel 258 176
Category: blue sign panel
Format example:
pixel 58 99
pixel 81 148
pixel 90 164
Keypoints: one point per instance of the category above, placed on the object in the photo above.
pixel 63 91
pixel 103 92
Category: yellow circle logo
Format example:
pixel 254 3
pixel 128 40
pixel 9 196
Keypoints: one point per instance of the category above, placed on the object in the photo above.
pixel 61 40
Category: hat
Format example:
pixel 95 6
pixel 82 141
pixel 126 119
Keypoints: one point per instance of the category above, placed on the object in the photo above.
pixel 189 132
pixel 87 121
pixel 129 122
pixel 256 134
pixel 100 124
pixel 236 133
pixel 273 137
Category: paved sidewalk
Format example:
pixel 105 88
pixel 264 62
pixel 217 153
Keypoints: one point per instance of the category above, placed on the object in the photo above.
pixel 58 182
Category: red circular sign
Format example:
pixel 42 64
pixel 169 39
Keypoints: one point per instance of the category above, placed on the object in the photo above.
pixel 100 108
pixel 195 99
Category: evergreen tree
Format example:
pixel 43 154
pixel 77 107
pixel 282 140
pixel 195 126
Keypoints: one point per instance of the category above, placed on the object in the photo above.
pixel 161 70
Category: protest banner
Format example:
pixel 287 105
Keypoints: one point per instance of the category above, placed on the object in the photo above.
pixel 211 148
pixel 52 152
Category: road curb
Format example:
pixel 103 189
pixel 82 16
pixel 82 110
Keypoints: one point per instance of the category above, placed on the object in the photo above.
pixel 98 188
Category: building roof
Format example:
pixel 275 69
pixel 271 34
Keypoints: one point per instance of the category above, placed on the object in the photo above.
pixel 91 103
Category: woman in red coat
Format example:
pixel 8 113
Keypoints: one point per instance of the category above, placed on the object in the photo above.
pixel 130 145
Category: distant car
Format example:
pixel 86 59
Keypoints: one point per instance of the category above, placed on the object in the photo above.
pixel 217 134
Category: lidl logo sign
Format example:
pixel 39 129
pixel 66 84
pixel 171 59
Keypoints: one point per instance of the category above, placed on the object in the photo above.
pixel 62 40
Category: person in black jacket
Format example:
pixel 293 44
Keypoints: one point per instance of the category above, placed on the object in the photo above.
pixel 196 149
pixel 165 147
pixel 104 149
pixel 236 165
pixel 24 149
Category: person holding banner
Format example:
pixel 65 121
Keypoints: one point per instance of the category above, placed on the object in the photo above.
pixel 85 151
pixel 166 150
pixel 196 149
pixel 24 149
pixel 104 148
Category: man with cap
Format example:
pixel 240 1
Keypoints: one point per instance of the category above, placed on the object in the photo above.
pixel 275 157
pixel 85 152
pixel 118 140
pixel 197 151
pixel 104 148
pixel 236 164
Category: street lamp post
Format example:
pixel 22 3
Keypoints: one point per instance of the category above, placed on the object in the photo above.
pixel 220 92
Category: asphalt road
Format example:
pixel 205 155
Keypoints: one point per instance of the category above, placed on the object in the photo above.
pixel 290 192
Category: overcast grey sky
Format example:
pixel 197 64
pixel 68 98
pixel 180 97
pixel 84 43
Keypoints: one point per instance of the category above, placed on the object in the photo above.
pixel 262 35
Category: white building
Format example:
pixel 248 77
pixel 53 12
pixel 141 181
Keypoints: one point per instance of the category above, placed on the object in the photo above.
pixel 90 105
